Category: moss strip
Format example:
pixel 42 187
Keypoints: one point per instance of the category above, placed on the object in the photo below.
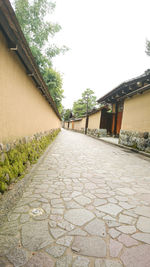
pixel 14 163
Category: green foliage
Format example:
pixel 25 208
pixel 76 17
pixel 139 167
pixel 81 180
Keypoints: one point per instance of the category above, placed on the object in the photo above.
pixel 53 80
pixel 31 16
pixel 85 104
pixel 67 113
pixel 15 162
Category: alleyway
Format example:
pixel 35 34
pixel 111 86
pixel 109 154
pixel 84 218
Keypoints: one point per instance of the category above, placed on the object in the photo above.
pixel 87 205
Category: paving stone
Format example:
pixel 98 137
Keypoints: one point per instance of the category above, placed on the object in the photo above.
pixel 56 218
pixel 130 213
pixel 126 191
pixel 6 243
pixel 35 235
pixel 99 214
pixel 88 194
pixel 90 186
pixel 96 227
pixel 99 181
pixel 125 205
pixel 66 226
pixel 78 231
pixel 72 205
pixel 52 224
pixel 113 233
pixel 90 246
pixel 24 218
pixel 57 232
pixel 112 223
pixel 112 200
pixel 40 260
pixel 4 263
pixel 78 216
pixel 120 198
pixel 144 210
pixel 107 263
pixel 143 224
pixel 56 201
pixel 34 204
pixel 115 248
pixel 109 218
pixel 81 262
pixel 110 208
pixel 57 211
pixel 138 256
pixel 56 251
pixel 18 256
pixel 10 228
pixel 98 202
pixel 126 219
pixel 13 217
pixel 142 237
pixel 65 241
pixel 65 261
pixel 23 209
pixel 126 229
pixel 82 200
pixel 47 208
pixel 75 194
pixel 127 240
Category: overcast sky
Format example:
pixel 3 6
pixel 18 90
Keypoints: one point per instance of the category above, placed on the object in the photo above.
pixel 107 44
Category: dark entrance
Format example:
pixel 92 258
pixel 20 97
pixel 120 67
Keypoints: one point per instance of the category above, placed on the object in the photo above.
pixel 106 121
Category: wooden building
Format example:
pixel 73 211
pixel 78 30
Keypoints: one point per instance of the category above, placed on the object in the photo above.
pixel 131 111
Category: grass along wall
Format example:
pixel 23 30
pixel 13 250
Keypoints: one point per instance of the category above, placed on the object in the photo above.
pixel 16 157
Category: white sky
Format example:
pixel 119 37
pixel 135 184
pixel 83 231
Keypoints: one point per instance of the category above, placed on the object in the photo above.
pixel 107 44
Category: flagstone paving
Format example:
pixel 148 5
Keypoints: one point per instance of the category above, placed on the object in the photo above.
pixel 88 204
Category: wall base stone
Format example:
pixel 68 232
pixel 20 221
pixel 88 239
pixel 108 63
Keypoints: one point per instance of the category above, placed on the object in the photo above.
pixel 98 133
pixel 137 140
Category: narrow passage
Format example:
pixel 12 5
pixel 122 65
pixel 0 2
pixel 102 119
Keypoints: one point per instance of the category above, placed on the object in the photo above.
pixel 88 205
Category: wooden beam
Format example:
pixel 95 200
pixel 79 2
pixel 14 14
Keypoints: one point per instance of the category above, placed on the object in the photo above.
pixel 30 74
pixel 13 48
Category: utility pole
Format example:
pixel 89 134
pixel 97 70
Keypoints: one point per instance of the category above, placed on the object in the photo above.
pixel 86 123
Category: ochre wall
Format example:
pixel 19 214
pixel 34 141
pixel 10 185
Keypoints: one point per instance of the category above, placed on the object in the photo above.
pixel 136 113
pixel 70 125
pixel 94 120
pixel 79 124
pixel 66 125
pixel 23 111
pixel 83 122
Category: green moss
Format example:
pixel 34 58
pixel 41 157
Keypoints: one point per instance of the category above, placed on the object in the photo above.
pixel 3 187
pixel 13 167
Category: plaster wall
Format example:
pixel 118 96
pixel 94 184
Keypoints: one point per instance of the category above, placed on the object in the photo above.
pixel 23 110
pixel 136 113
pixel 70 125
pixel 94 120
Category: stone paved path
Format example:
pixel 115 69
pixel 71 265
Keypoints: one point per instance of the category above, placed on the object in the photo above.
pixel 87 205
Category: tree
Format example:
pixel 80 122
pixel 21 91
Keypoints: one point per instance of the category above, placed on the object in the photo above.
pixel 67 114
pixel 31 16
pixel 53 80
pixel 85 104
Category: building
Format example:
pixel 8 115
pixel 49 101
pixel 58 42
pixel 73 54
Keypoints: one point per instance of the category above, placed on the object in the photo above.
pixel 131 111
pixel 26 106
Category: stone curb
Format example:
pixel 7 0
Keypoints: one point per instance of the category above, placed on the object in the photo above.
pixel 125 147
pixel 10 198
pixel 121 146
